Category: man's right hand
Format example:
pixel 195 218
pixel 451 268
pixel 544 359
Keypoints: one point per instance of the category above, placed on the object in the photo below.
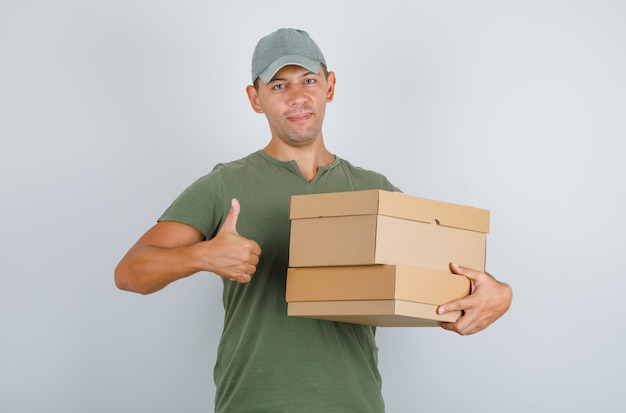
pixel 231 255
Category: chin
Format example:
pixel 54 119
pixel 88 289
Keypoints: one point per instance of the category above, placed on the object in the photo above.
pixel 300 140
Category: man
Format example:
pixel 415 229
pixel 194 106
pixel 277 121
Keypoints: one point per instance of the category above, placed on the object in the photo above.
pixel 234 222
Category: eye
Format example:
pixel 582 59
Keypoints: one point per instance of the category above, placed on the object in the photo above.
pixel 279 86
pixel 309 81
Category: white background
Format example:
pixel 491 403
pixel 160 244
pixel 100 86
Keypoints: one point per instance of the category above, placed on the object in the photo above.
pixel 109 109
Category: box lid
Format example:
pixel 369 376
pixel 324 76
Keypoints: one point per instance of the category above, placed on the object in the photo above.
pixel 374 282
pixel 394 204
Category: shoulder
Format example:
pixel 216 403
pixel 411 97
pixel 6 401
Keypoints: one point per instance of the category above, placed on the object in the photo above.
pixel 205 202
pixel 245 162
pixel 358 169
pixel 224 169
pixel 368 178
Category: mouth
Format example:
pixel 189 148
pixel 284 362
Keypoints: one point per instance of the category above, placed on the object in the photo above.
pixel 299 117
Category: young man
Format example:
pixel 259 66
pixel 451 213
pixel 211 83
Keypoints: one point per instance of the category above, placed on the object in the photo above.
pixel 234 222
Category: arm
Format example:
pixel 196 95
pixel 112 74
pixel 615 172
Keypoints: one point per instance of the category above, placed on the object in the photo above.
pixel 170 251
pixel 489 299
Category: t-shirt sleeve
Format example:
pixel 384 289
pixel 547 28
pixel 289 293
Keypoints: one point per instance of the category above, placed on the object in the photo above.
pixel 200 205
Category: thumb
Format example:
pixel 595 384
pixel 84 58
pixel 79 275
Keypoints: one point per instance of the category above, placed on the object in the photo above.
pixel 475 277
pixel 231 220
pixel 467 272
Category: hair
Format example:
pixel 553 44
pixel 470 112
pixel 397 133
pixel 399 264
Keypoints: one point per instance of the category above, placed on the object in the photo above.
pixel 324 70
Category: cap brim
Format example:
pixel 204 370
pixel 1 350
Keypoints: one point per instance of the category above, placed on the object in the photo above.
pixel 291 59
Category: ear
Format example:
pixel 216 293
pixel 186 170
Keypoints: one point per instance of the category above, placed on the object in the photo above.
pixel 253 96
pixel 330 94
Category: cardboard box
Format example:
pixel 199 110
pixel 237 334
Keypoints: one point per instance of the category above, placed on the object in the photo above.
pixel 378 313
pixel 381 227
pixel 379 295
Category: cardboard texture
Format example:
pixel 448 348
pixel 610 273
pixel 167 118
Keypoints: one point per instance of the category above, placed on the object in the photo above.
pixel 378 313
pixel 381 227
pixel 374 282
pixel 380 258
pixel 379 295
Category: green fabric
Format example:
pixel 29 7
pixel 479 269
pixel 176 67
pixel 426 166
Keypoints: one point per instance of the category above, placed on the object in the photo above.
pixel 267 361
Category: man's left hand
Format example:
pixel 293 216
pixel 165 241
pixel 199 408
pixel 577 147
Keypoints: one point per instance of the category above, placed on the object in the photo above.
pixel 489 299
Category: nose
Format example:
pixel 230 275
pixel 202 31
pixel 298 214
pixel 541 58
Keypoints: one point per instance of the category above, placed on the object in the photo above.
pixel 297 96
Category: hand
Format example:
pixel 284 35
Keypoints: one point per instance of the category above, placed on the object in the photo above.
pixel 489 299
pixel 231 255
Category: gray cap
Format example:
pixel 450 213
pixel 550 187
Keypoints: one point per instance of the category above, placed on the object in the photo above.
pixel 285 47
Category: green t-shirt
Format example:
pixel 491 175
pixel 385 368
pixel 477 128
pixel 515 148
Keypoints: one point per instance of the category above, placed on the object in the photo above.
pixel 267 361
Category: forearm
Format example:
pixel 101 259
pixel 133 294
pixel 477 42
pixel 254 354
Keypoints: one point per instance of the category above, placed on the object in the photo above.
pixel 147 269
pixel 170 251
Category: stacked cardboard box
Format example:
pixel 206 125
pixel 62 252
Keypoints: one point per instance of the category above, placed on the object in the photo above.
pixel 380 258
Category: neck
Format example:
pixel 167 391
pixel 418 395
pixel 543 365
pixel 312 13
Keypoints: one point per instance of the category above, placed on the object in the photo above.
pixel 308 158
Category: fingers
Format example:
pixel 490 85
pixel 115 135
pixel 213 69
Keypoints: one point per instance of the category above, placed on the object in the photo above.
pixel 237 256
pixel 241 278
pixel 450 327
pixel 467 272
pixel 489 299
pixel 462 327
pixel 461 304
pixel 466 323
pixel 243 271
pixel 465 305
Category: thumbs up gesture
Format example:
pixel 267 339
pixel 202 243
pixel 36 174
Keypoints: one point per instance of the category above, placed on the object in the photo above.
pixel 233 256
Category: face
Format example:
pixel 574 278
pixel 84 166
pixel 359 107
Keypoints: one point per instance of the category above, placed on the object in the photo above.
pixel 294 102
